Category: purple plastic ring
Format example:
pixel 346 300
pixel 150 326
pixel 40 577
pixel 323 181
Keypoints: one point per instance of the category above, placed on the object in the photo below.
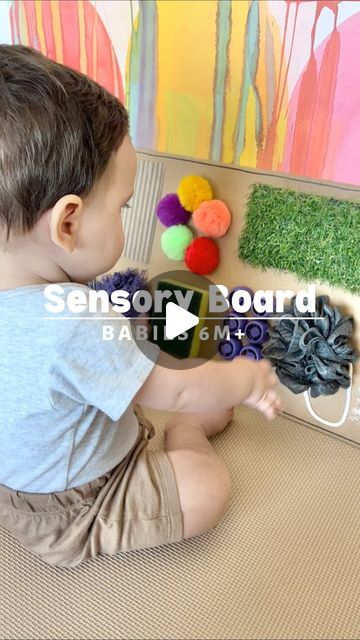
pixel 229 349
pixel 252 351
pixel 241 299
pixel 235 323
pixel 262 314
pixel 257 331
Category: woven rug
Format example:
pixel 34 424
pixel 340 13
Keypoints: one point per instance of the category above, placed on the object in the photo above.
pixel 284 563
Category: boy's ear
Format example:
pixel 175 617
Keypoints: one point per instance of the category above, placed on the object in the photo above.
pixel 64 222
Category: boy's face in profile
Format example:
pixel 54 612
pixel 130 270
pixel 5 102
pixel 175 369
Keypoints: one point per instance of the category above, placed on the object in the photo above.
pixel 87 233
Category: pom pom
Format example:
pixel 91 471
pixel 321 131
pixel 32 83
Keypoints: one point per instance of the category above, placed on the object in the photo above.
pixel 175 240
pixel 169 211
pixel 212 218
pixel 193 190
pixel 131 280
pixel 202 256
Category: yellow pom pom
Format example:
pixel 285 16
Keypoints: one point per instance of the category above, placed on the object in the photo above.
pixel 193 190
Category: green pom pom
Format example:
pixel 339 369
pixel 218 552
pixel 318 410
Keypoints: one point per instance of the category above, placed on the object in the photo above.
pixel 175 240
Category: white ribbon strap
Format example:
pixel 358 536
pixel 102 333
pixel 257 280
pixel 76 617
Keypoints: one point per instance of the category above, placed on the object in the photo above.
pixel 334 425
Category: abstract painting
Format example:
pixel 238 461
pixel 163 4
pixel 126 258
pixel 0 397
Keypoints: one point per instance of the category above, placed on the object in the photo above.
pixel 268 84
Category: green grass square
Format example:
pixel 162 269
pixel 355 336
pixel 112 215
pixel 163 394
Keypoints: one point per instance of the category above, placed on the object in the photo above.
pixel 314 237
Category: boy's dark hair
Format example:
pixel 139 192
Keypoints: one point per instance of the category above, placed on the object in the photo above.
pixel 58 129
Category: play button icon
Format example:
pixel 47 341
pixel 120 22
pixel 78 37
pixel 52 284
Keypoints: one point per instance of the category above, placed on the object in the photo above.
pixel 178 320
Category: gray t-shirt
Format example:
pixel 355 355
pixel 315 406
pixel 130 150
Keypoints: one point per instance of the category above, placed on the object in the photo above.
pixel 65 410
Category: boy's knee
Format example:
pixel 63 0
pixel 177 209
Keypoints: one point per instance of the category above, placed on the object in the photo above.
pixel 204 489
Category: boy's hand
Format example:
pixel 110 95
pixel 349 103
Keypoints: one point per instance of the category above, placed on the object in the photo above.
pixel 263 397
pixel 213 386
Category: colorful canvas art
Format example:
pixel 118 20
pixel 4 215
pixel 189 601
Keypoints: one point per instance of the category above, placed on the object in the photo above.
pixel 269 84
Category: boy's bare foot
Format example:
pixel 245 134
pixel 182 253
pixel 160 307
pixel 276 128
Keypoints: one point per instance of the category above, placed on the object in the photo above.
pixel 212 422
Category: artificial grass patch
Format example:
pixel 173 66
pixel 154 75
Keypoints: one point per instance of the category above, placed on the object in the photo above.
pixel 316 238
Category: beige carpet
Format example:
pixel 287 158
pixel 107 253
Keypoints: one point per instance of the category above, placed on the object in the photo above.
pixel 285 563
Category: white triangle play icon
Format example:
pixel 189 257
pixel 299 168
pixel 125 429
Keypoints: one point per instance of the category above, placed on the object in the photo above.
pixel 178 320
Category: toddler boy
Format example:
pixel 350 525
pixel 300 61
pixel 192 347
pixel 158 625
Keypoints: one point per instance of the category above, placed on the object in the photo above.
pixel 76 477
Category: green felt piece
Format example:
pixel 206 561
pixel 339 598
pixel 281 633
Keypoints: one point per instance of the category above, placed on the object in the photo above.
pixel 316 238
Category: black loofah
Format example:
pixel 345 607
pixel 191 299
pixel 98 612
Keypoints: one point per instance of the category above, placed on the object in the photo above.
pixel 312 354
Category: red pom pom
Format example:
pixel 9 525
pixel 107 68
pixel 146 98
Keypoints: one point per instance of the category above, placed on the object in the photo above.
pixel 202 256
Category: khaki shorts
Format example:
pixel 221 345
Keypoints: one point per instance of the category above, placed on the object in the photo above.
pixel 134 506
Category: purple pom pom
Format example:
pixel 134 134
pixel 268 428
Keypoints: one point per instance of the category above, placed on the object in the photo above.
pixel 169 211
pixel 131 280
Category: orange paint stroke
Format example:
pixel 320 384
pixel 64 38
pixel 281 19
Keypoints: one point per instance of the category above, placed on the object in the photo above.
pixel 266 154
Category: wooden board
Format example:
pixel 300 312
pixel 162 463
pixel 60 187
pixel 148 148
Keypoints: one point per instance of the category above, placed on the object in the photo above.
pixel 232 185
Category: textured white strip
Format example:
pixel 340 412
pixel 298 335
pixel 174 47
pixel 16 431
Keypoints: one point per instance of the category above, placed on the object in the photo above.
pixel 140 220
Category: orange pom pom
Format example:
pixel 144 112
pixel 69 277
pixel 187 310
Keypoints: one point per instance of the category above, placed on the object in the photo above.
pixel 212 218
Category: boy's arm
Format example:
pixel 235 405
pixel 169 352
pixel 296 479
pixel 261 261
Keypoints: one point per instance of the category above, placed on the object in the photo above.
pixel 206 387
